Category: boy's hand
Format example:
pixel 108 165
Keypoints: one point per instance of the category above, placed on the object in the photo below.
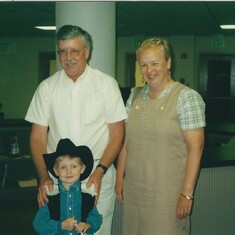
pixel 82 227
pixel 69 224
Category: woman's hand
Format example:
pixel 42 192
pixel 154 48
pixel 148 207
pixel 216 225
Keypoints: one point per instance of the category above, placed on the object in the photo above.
pixel 119 189
pixel 184 207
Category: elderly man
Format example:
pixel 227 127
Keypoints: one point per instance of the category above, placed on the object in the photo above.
pixel 82 104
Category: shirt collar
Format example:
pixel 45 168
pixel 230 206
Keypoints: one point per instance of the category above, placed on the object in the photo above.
pixel 145 91
pixel 82 76
pixel 74 187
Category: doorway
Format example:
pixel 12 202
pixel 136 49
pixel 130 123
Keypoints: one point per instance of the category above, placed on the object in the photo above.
pixel 217 79
pixel 47 65
pixel 133 74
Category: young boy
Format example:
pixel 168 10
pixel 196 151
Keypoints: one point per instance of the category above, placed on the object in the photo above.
pixel 69 210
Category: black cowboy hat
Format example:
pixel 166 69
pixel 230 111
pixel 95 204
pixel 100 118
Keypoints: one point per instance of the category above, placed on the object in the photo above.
pixel 67 147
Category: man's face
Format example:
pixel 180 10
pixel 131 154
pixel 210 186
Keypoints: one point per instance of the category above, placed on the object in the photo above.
pixel 73 57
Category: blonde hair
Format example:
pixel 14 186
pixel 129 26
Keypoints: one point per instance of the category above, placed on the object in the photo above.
pixel 152 43
pixel 60 158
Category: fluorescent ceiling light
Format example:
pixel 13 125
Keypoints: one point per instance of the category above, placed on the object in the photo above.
pixel 46 27
pixel 227 26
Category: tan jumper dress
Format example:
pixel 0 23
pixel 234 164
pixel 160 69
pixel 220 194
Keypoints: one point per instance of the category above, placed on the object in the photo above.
pixel 155 167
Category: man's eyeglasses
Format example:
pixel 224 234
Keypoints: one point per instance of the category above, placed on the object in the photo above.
pixel 72 52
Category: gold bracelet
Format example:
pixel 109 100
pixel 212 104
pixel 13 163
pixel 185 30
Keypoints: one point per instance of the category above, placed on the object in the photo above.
pixel 187 196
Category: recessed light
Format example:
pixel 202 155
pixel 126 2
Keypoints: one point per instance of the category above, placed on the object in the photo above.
pixel 227 26
pixel 46 27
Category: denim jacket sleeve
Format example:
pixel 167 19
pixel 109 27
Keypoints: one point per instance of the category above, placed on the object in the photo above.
pixel 95 220
pixel 43 224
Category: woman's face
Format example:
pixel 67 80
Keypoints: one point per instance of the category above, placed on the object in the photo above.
pixel 73 57
pixel 154 67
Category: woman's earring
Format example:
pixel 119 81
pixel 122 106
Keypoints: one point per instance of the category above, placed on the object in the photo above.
pixel 169 73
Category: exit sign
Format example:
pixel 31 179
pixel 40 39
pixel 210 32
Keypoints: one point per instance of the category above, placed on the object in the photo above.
pixel 218 41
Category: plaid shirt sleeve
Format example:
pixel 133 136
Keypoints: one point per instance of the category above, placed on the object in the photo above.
pixel 191 110
pixel 129 101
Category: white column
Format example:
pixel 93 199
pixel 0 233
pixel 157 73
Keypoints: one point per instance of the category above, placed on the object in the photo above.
pixel 98 19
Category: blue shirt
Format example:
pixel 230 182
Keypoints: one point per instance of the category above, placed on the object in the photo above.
pixel 70 205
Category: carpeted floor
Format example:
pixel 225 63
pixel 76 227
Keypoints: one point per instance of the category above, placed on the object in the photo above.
pixel 16 217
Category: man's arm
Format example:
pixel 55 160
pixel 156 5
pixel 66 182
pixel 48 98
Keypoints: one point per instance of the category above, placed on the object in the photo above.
pixel 116 134
pixel 38 139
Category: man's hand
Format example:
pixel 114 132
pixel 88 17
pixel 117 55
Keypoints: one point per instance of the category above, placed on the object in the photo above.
pixel 42 195
pixel 96 178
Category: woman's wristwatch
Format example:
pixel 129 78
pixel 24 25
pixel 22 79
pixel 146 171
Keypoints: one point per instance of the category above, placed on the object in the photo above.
pixel 105 168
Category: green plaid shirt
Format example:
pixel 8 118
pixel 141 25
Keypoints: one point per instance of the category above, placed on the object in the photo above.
pixel 190 106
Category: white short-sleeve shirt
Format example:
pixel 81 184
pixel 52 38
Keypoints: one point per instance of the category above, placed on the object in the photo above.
pixel 78 110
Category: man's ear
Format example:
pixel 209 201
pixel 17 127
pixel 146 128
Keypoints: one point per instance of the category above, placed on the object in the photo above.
pixel 87 51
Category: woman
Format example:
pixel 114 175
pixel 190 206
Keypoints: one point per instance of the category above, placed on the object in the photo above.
pixel 161 155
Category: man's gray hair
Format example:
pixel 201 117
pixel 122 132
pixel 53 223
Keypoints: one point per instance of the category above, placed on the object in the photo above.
pixel 71 32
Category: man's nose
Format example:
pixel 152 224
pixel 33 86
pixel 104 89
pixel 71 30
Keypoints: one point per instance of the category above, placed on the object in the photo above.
pixel 68 55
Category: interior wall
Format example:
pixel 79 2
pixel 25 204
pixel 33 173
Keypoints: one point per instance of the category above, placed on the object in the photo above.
pixel 19 72
pixel 204 45
pixel 182 68
pixel 186 52
pixel 183 59
pixel 125 45
pixel 19 65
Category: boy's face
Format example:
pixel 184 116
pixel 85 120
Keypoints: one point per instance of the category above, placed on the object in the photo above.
pixel 69 170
